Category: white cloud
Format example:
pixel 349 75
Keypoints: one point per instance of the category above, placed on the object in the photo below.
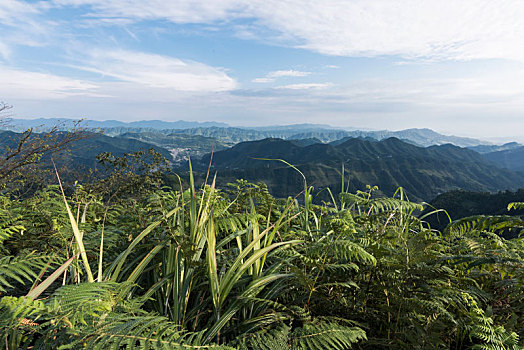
pixel 11 10
pixel 411 28
pixel 158 71
pixel 41 86
pixel 272 76
pixel 305 86
pixel 5 51
pixel 262 80
pixel 435 29
pixel 20 23
pixel 288 73
pixel 181 11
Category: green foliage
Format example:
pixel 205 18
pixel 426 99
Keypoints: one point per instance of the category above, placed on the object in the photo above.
pixel 460 204
pixel 19 269
pixel 485 333
pixel 149 267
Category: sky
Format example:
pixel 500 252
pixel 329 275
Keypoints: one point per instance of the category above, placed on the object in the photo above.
pixel 453 66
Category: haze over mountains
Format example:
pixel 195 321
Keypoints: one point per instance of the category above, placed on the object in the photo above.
pixel 44 124
pixel 324 133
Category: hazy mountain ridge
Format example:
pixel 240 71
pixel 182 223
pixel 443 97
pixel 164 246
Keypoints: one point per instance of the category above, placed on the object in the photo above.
pixel 512 158
pixel 227 134
pixel 421 137
pixel 482 149
pixel 45 124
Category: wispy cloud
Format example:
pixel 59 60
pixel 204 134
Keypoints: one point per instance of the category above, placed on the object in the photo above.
pixel 305 86
pixel 157 71
pixel 12 10
pixel 5 51
pixel 457 30
pixel 194 11
pixel 21 24
pixel 19 84
pixel 272 76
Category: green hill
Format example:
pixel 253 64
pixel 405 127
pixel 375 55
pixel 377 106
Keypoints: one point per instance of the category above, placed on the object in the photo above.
pixel 423 172
pixel 83 152
pixel 512 158
pixel 460 204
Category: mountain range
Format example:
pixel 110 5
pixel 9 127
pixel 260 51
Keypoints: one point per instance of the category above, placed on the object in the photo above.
pixel 512 159
pixel 45 124
pixel 422 161
pixel 224 133
pixel 422 172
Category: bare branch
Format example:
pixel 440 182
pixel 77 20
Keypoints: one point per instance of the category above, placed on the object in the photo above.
pixel 24 149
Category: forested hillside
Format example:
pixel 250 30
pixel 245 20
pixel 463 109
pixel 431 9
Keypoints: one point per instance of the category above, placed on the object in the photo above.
pixel 461 204
pixel 83 152
pixel 423 172
pixel 509 158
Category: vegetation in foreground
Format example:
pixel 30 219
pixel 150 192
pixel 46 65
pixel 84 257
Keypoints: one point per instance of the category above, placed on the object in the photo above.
pixel 124 263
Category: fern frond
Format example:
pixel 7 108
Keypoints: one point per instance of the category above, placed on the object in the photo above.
pixel 377 205
pixel 489 223
pixel 19 318
pixel 344 250
pixel 19 269
pixel 141 332
pixel 326 335
pixel 9 227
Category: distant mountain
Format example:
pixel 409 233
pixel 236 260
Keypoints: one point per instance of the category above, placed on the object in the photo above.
pixel 223 133
pixel 419 137
pixel 305 142
pixel 512 158
pixel 428 137
pixel 482 149
pixel 347 138
pixel 423 172
pixel 304 126
pixel 45 124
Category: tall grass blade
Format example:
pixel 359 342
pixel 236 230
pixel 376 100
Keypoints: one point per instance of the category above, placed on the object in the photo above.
pixel 35 292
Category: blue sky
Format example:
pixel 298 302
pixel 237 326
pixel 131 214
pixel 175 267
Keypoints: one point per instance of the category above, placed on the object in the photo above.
pixel 454 66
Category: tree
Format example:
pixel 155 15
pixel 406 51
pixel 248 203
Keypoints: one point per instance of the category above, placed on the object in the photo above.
pixel 20 151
